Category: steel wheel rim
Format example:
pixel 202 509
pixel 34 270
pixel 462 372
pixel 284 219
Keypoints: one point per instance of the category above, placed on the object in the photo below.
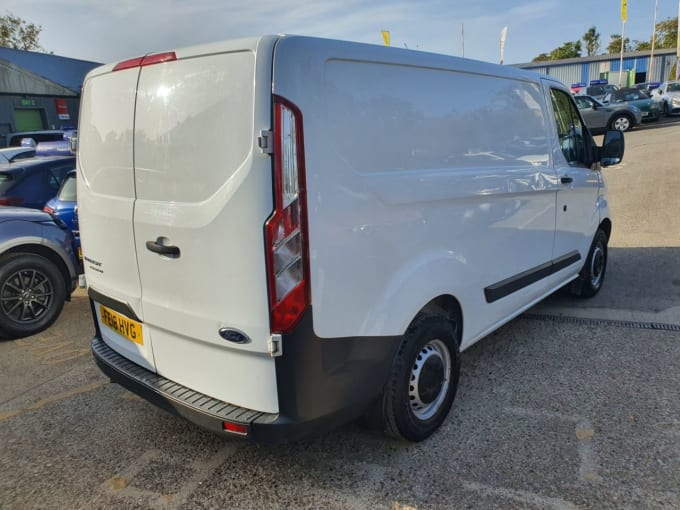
pixel 434 351
pixel 597 266
pixel 26 296
pixel 622 124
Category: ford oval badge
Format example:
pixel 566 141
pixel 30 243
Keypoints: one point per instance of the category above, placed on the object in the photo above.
pixel 231 335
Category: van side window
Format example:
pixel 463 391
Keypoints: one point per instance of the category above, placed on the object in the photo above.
pixel 571 132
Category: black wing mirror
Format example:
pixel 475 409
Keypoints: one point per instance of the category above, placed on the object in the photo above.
pixel 611 152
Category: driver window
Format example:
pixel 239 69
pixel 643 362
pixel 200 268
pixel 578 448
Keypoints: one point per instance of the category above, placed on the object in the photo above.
pixel 571 132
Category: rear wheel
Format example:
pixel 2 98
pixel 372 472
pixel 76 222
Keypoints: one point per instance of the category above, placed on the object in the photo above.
pixel 591 276
pixel 621 123
pixel 424 379
pixel 32 294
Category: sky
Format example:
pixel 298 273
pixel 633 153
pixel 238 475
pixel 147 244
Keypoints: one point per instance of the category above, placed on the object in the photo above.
pixel 112 30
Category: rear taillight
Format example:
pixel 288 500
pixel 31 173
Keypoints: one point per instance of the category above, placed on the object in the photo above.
pixel 148 60
pixel 48 210
pixel 11 201
pixel 286 229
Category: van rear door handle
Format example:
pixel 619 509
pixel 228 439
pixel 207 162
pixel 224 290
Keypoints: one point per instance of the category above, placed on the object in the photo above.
pixel 566 179
pixel 161 249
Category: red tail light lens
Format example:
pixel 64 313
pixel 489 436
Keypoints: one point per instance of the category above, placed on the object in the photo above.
pixel 286 229
pixel 11 201
pixel 157 58
pixel 48 210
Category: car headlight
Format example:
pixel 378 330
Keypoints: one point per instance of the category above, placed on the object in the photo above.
pixel 676 101
pixel 635 109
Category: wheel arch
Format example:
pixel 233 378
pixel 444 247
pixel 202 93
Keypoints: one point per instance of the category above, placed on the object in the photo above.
pixel 49 254
pixel 447 306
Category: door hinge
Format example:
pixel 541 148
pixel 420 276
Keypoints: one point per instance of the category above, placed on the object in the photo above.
pixel 275 345
pixel 266 141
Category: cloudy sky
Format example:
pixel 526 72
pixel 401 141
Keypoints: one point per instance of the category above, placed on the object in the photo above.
pixel 111 30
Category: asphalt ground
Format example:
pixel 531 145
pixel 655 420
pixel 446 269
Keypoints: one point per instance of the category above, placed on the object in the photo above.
pixel 575 404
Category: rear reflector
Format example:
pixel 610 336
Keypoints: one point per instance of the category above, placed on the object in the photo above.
pixel 11 200
pixel 235 428
pixel 148 60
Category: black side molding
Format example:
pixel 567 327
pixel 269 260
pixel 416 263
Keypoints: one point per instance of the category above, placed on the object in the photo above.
pixel 519 281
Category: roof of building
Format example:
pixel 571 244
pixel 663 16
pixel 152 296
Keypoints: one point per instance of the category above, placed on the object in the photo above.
pixel 595 58
pixel 67 72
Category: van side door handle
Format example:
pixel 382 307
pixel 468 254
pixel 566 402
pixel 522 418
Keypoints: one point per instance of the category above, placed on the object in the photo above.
pixel 566 179
pixel 161 249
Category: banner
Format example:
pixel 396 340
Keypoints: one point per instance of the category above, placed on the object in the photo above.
pixel 386 37
pixel 624 10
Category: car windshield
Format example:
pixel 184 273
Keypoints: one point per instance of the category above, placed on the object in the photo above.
pixel 67 193
pixel 629 95
pixel 6 181
pixel 595 91
pixel 674 87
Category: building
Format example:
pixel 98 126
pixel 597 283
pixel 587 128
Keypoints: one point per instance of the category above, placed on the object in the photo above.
pixel 638 67
pixel 39 91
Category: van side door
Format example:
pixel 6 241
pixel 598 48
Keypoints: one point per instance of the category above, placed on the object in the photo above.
pixel 577 211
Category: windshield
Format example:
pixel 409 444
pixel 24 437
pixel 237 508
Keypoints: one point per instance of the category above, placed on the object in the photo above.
pixel 674 87
pixel 67 193
pixel 6 181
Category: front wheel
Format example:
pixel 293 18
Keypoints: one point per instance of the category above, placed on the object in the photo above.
pixel 424 379
pixel 32 294
pixel 621 123
pixel 591 276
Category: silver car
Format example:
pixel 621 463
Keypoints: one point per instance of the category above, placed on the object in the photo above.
pixel 667 96
pixel 600 117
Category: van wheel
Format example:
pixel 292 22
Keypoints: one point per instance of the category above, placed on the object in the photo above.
pixel 32 294
pixel 591 276
pixel 621 123
pixel 424 379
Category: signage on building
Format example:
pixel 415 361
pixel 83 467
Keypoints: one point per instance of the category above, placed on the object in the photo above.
pixel 62 109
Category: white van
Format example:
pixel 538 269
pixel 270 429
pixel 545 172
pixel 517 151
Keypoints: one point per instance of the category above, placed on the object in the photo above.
pixel 284 233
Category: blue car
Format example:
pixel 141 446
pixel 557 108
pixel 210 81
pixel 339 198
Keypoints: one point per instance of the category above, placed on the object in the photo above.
pixel 38 270
pixel 63 206
pixel 32 182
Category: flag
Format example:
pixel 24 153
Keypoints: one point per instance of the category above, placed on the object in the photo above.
pixel 386 37
pixel 624 10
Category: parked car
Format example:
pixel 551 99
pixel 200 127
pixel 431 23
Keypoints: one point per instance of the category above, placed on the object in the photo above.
pixel 597 91
pixel 14 139
pixel 12 154
pixel 667 96
pixel 647 86
pixel 636 97
pixel 32 182
pixel 600 117
pixel 38 270
pixel 64 207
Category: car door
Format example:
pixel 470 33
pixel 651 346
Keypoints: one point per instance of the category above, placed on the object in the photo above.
pixel 577 211
pixel 593 114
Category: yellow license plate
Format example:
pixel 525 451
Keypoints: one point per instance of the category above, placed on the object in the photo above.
pixel 125 327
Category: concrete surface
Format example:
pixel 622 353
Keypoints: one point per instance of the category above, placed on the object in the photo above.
pixel 551 412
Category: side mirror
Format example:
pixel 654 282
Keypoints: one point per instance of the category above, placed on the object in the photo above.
pixel 611 152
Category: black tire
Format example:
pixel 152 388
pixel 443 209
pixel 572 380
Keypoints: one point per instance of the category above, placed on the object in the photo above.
pixel 32 294
pixel 428 356
pixel 592 274
pixel 621 122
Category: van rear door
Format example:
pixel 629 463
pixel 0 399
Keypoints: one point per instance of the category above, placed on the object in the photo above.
pixel 203 194
pixel 106 196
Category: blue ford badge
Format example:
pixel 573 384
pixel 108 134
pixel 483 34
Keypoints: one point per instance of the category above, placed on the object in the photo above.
pixel 234 336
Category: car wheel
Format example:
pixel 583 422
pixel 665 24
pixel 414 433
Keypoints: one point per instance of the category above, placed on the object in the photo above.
pixel 621 123
pixel 424 379
pixel 32 294
pixel 592 274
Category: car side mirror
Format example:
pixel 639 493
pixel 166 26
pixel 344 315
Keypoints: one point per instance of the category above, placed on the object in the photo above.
pixel 611 152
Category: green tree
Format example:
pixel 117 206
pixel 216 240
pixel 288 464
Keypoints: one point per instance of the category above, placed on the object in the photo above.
pixel 641 45
pixel 592 40
pixel 570 49
pixel 615 44
pixel 667 33
pixel 17 33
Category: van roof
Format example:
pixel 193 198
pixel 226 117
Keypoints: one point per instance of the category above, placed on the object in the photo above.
pixel 380 52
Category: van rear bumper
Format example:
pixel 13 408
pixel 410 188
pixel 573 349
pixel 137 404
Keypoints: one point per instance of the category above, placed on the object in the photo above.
pixel 322 383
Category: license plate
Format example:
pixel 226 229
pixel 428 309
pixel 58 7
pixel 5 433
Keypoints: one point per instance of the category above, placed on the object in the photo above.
pixel 125 327
pixel 644 114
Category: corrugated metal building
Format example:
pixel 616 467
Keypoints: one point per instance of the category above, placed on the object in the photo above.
pixel 636 67
pixel 39 91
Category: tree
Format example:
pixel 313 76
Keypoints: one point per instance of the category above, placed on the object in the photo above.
pixel 667 33
pixel 17 33
pixel 570 49
pixel 615 44
pixel 592 40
